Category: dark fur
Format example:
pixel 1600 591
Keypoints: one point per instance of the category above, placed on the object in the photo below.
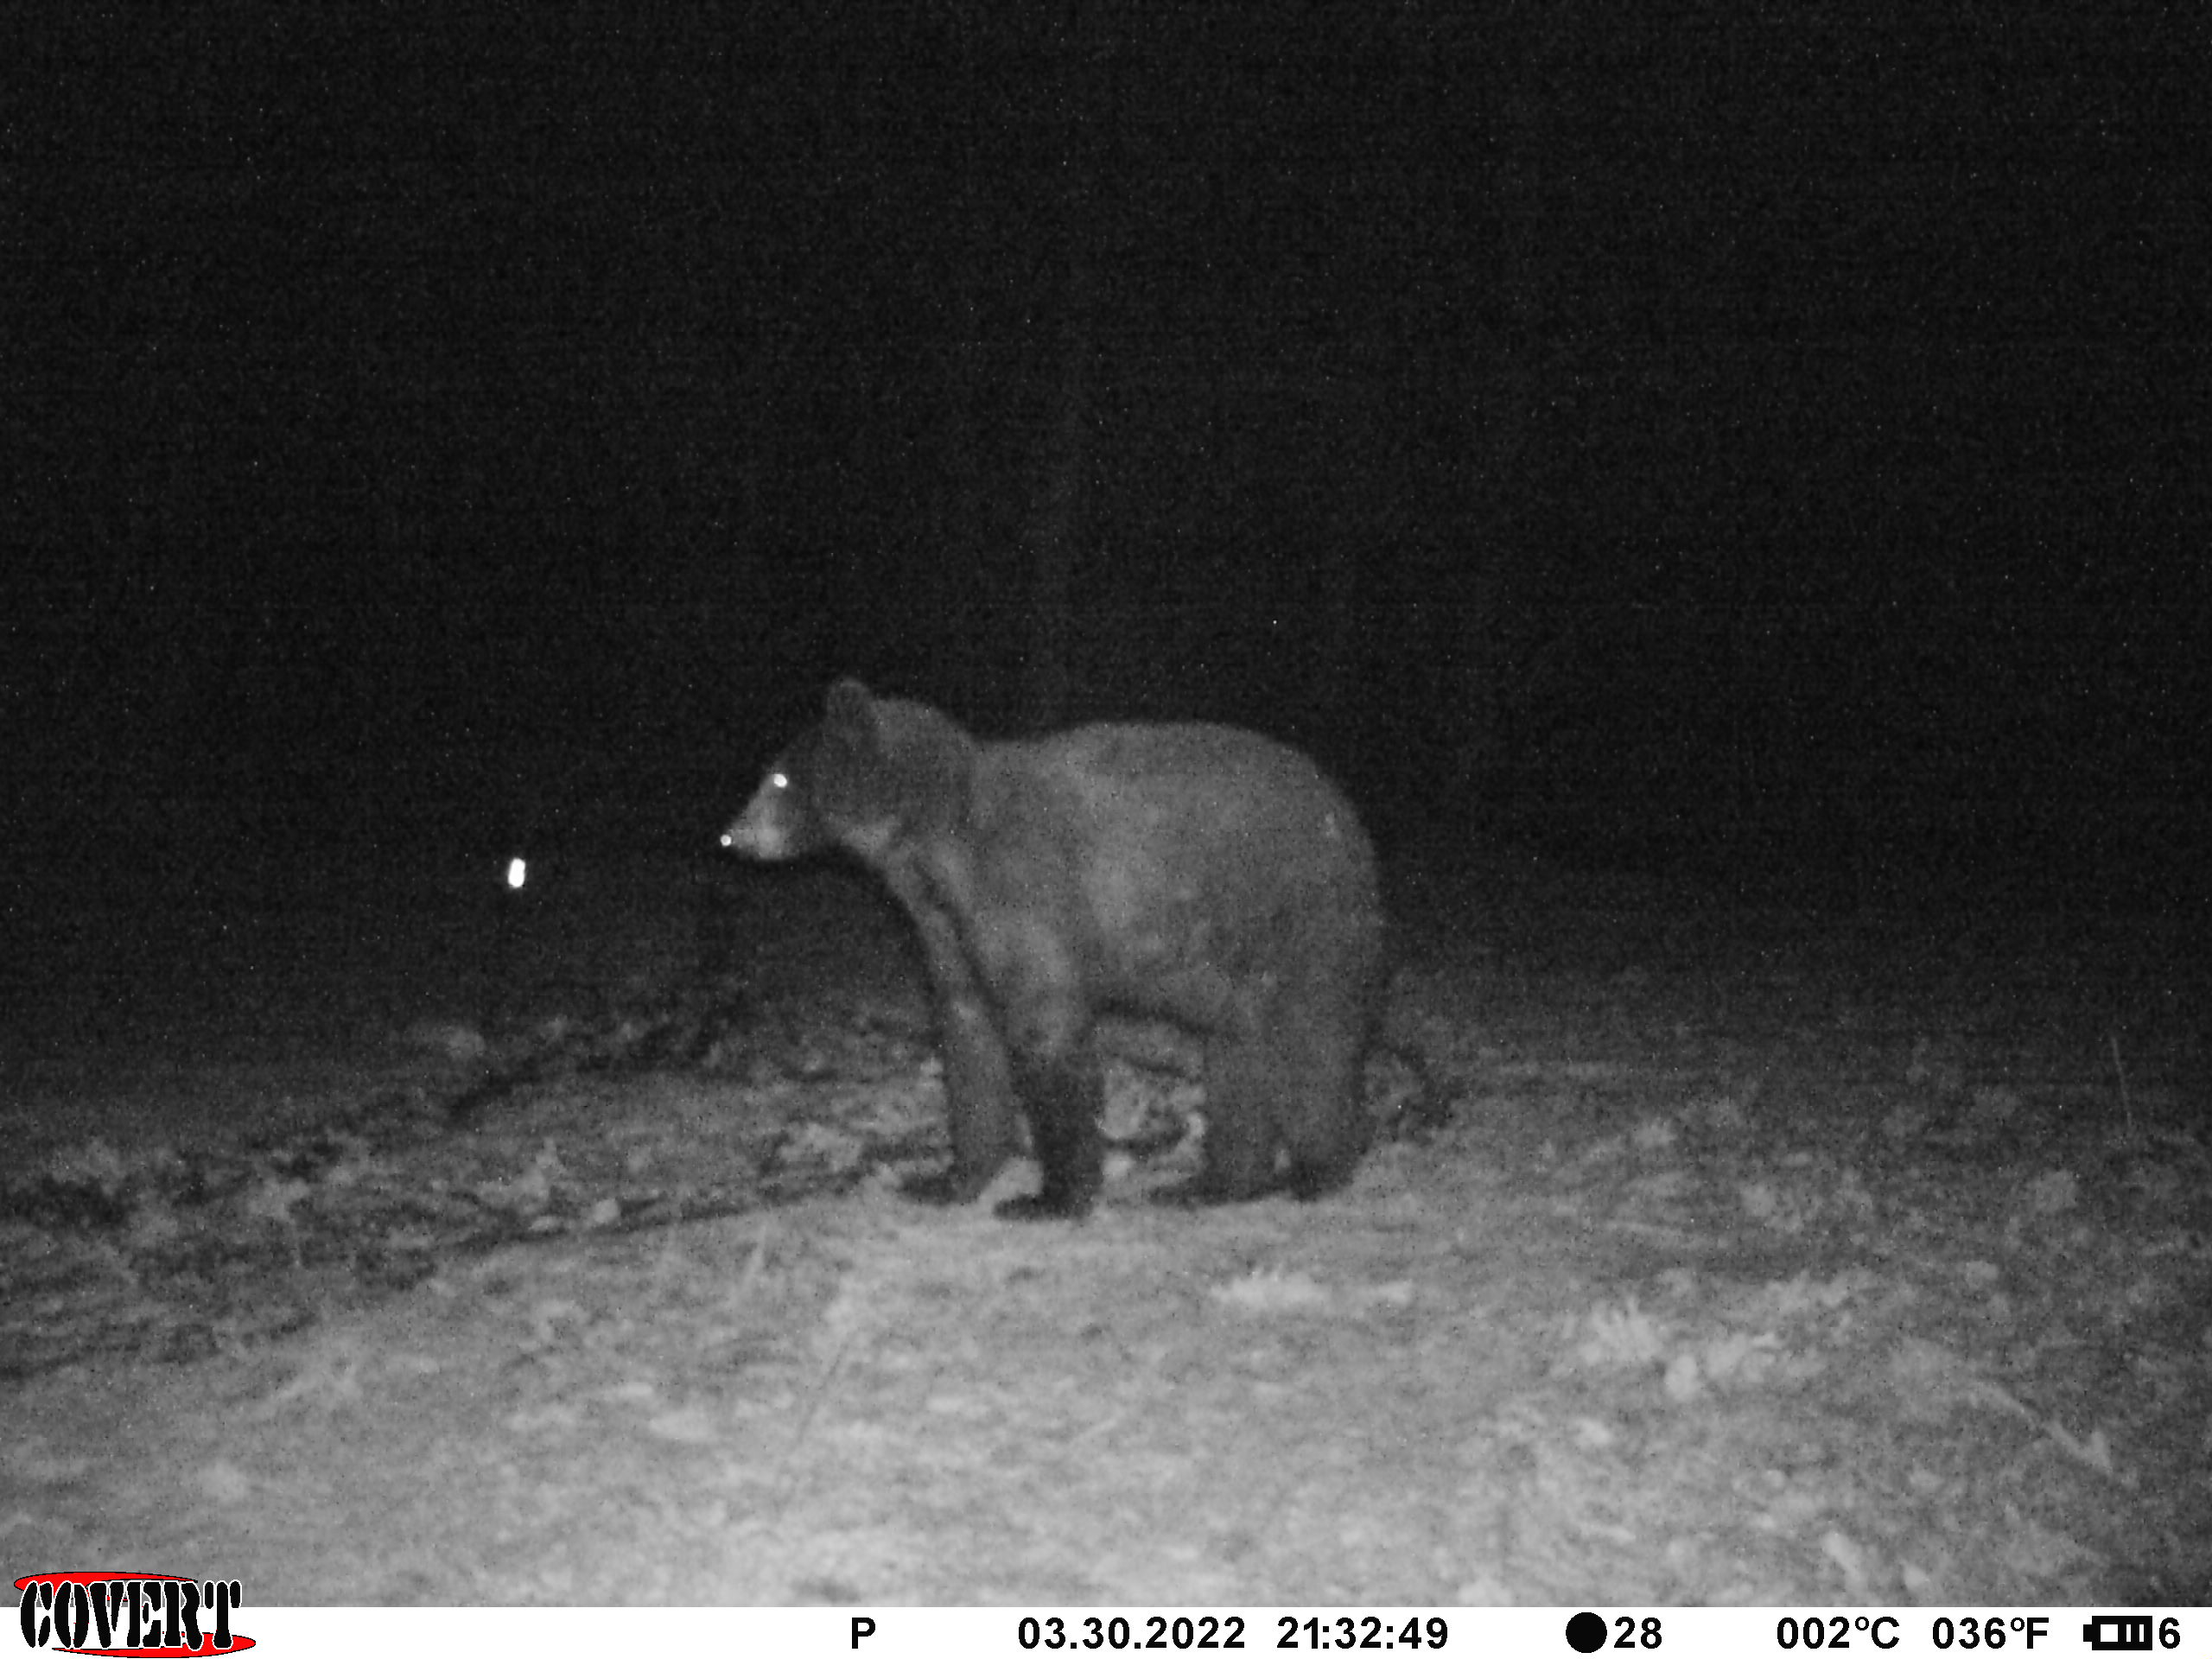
pixel 1197 874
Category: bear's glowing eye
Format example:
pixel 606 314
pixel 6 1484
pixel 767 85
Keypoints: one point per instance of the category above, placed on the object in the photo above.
pixel 779 780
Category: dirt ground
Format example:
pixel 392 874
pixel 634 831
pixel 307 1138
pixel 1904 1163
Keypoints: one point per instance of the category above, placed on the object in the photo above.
pixel 407 1250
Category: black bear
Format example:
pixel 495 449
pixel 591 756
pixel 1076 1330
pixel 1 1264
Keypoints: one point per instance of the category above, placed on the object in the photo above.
pixel 1197 874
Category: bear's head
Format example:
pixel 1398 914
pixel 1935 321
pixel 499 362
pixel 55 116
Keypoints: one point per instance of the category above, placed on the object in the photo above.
pixel 871 772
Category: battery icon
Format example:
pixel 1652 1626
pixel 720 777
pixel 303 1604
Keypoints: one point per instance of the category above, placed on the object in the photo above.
pixel 2118 1633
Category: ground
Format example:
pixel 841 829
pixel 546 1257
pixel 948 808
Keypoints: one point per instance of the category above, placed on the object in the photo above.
pixel 1770 1257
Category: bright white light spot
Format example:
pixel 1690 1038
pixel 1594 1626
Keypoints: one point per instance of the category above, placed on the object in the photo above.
pixel 517 873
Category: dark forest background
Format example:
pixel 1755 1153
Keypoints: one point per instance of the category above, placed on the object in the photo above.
pixel 1760 439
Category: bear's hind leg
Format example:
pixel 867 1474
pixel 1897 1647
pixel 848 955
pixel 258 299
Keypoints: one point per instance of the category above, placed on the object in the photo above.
pixel 1240 1140
pixel 1325 1152
pixel 1318 1097
pixel 1294 1084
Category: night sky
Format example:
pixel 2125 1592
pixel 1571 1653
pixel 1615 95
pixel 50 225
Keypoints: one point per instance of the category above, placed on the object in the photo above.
pixel 1751 436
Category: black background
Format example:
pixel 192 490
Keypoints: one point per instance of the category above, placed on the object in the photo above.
pixel 1758 439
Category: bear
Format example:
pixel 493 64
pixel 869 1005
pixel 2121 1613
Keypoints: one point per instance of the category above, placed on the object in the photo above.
pixel 1199 873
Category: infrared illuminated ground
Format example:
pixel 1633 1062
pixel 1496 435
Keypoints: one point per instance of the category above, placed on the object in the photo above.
pixel 1770 1257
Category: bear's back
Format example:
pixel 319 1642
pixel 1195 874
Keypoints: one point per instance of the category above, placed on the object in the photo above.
pixel 1222 795
pixel 1171 848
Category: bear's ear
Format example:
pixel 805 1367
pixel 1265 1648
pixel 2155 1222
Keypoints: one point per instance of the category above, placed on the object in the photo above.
pixel 850 708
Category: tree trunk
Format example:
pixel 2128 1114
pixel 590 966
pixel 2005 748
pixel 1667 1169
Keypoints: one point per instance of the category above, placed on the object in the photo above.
pixel 1057 530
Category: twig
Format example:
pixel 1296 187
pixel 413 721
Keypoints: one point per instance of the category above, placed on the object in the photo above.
pixel 787 1474
pixel 2126 1101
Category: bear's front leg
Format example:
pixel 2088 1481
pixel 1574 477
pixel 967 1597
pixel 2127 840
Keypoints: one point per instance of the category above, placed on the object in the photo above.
pixel 980 1103
pixel 1064 1098
pixel 1061 1089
